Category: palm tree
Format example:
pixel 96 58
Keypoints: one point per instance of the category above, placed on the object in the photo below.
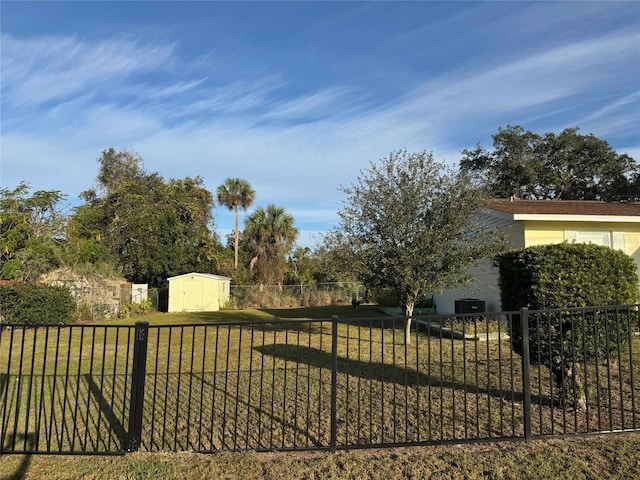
pixel 270 234
pixel 236 193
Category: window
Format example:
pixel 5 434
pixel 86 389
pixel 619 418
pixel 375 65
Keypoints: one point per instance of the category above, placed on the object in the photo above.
pixel 604 238
pixel 597 238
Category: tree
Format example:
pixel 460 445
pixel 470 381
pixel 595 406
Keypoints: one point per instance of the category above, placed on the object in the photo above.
pixel 303 266
pixel 269 235
pixel 566 166
pixel 409 221
pixel 153 228
pixel 338 261
pixel 236 193
pixel 31 232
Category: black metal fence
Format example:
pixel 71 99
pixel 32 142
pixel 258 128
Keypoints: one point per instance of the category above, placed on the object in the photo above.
pixel 316 384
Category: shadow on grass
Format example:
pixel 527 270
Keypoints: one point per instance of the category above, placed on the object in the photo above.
pixel 270 415
pixel 115 425
pixel 396 325
pixel 382 372
pixel 30 445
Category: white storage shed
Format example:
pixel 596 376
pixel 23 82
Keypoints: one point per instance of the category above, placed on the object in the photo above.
pixel 198 292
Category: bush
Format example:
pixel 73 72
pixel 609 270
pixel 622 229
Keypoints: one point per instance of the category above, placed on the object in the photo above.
pixel 385 297
pixel 82 314
pixel 36 304
pixel 561 276
pixel 137 308
pixel 566 275
pixel 425 303
pixel 320 299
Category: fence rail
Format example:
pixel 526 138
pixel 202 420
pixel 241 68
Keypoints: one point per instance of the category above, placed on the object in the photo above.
pixel 313 384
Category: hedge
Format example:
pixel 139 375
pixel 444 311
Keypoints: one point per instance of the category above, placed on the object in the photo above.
pixel 566 275
pixel 36 304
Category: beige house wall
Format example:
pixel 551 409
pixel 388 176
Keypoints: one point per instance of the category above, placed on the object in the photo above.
pixel 544 233
pixel 484 287
pixel 484 284
pixel 523 234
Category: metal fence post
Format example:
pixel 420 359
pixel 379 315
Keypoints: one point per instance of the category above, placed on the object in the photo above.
pixel 334 382
pixel 526 377
pixel 134 434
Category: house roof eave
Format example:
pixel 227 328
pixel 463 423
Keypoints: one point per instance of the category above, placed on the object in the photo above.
pixel 550 217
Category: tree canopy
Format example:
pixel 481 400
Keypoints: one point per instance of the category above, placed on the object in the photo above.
pixel 236 193
pixel 152 227
pixel 400 208
pixel 31 232
pixel 568 166
pixel 409 222
pixel 304 266
pixel 269 235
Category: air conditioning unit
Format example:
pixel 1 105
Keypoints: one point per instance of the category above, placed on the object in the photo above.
pixel 469 305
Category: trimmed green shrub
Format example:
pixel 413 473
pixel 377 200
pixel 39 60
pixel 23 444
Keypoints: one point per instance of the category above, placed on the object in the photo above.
pixel 561 276
pixel 566 275
pixel 36 304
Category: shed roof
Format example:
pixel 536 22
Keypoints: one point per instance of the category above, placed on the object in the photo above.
pixel 204 275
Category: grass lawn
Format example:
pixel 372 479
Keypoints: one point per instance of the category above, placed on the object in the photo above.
pixel 605 457
pixel 252 314
pixel 239 380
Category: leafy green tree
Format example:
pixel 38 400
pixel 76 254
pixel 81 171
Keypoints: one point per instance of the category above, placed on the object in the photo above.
pixel 153 228
pixel 303 266
pixel 236 193
pixel 409 222
pixel 31 232
pixel 269 235
pixel 338 261
pixel 552 166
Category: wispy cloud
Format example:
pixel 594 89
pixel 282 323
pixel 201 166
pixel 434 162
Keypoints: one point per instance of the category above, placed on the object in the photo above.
pixel 238 97
pixel 312 106
pixel 150 91
pixel 616 105
pixel 296 146
pixel 532 81
pixel 40 69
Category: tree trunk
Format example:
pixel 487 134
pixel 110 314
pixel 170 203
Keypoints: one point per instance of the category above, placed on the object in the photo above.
pixel 571 386
pixel 235 250
pixel 407 330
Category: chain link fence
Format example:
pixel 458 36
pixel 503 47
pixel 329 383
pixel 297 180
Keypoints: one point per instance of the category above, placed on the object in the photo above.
pixel 101 302
pixel 303 295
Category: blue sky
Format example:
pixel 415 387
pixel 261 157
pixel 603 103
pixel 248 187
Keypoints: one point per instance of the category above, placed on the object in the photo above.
pixel 299 97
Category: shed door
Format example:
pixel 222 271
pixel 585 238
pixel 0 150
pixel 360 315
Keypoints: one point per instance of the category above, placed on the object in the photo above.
pixel 194 301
